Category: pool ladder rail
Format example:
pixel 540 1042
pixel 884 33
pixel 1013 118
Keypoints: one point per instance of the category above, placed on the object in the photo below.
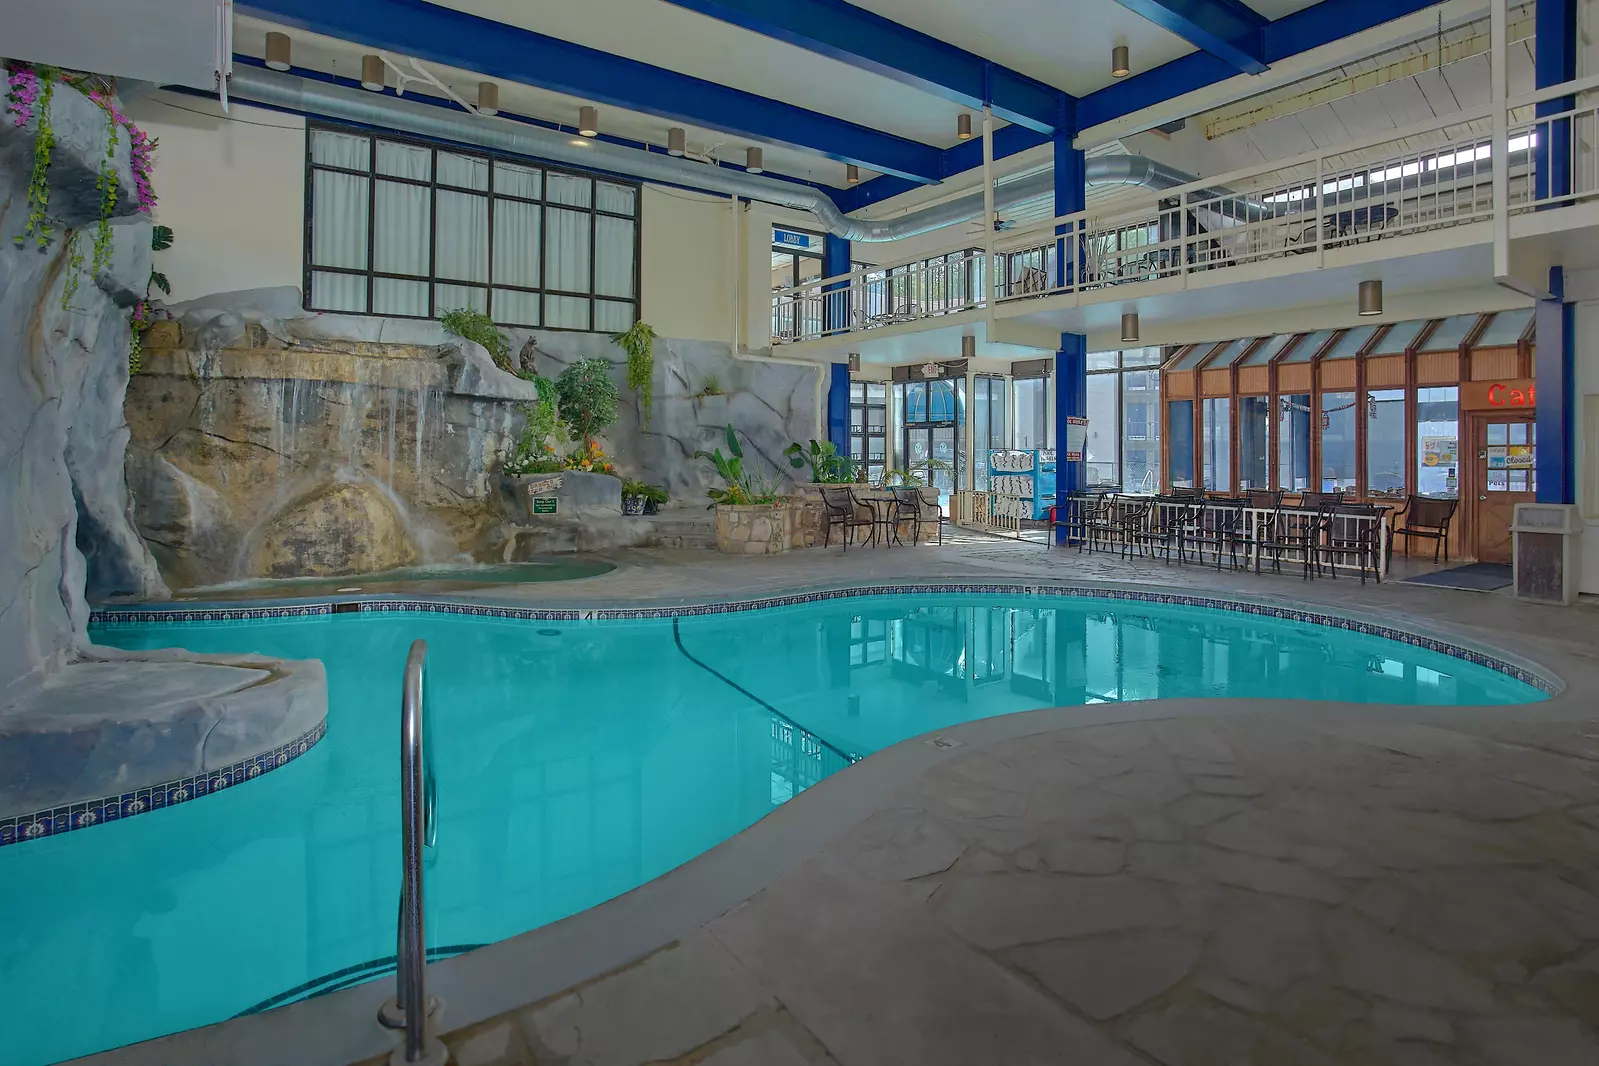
pixel 421 1046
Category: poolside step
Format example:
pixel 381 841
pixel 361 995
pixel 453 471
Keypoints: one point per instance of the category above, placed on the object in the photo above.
pixel 677 529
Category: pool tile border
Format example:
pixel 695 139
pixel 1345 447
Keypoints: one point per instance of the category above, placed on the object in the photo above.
pixel 1536 679
pixel 22 828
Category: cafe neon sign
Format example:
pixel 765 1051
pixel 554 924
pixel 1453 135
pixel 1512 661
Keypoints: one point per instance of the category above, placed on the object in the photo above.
pixel 1502 395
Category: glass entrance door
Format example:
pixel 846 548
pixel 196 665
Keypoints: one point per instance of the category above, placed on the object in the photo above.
pixel 1506 469
pixel 935 420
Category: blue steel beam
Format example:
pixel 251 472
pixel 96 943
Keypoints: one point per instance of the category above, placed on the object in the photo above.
pixel 1226 29
pixel 871 42
pixel 455 38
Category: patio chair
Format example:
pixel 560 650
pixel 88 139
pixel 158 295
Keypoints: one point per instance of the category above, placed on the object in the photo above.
pixel 1098 524
pixel 1353 532
pixel 909 504
pixel 1170 520
pixel 1130 521
pixel 839 508
pixel 1314 501
pixel 1296 529
pixel 1220 527
pixel 1425 517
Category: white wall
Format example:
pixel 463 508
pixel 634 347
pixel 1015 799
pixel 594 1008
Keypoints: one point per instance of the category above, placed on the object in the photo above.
pixel 1587 427
pixel 688 264
pixel 233 190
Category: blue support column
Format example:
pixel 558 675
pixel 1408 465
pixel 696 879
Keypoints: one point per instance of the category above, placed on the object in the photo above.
pixel 838 406
pixel 835 261
pixel 1555 61
pixel 1555 369
pixel 1071 360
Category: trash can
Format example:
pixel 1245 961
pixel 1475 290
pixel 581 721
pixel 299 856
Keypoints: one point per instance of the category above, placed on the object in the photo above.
pixel 1545 552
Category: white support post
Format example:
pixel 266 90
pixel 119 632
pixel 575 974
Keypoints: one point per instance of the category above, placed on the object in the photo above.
pixel 1498 26
pixel 970 479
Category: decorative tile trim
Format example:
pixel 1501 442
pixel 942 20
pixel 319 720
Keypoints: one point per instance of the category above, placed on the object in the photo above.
pixel 110 616
pixel 25 827
pixel 1536 679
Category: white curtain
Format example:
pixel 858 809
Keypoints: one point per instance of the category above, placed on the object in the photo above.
pixel 570 190
pixel 514 308
pixel 465 171
pixel 617 199
pixel 566 248
pixel 516 243
pixel 613 256
pixel 566 312
pixel 513 180
pixel 462 235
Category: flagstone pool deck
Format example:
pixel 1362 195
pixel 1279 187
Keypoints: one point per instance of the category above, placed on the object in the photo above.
pixel 1181 882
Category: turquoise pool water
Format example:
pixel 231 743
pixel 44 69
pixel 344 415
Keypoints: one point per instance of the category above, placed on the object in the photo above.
pixel 575 761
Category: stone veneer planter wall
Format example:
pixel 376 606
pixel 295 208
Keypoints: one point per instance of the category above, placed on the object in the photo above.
pixel 810 530
pixel 757 529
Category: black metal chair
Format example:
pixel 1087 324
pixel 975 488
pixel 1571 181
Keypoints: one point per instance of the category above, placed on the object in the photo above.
pixel 910 505
pixel 1098 521
pixel 1220 527
pixel 840 508
pixel 1295 530
pixel 1130 518
pixel 1352 531
pixel 1171 518
pixel 1427 517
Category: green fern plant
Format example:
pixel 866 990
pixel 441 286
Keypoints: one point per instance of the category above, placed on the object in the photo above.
pixel 473 325
pixel 639 344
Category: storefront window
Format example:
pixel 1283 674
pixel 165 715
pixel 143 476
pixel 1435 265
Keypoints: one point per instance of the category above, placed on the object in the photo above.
pixel 1338 442
pixel 1140 430
pixel 1104 435
pixel 1032 413
pixel 1254 423
pixel 1438 441
pixel 1180 432
pixel 1293 443
pixel 989 427
pixel 1216 445
pixel 868 427
pixel 1385 442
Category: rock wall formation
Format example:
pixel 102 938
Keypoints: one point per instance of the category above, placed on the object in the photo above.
pixel 273 442
pixel 63 372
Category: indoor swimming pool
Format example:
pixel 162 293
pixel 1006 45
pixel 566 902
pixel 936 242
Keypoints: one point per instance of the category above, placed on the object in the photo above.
pixel 576 760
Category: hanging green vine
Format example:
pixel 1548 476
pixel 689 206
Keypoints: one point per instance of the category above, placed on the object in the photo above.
pixel 639 344
pixel 106 182
pixel 44 142
pixel 69 288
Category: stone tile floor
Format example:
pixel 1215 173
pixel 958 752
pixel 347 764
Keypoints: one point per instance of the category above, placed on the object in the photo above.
pixel 1264 884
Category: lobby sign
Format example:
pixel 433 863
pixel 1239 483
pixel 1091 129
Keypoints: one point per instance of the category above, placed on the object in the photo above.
pixel 1520 394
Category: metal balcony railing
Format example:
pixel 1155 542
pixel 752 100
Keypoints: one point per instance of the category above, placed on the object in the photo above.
pixel 1428 177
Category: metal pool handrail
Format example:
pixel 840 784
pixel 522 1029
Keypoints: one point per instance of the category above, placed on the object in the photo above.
pixel 410 1006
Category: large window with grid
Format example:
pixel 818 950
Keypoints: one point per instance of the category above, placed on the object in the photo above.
pixel 401 228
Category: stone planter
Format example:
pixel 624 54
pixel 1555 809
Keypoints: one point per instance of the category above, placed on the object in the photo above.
pixel 757 529
pixel 576 494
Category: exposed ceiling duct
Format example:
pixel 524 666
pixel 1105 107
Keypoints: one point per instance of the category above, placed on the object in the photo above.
pixel 352 105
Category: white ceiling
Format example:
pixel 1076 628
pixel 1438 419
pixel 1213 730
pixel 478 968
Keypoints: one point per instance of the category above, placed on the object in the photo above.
pixel 665 35
pixel 1066 45
pixel 168 41
pixel 331 56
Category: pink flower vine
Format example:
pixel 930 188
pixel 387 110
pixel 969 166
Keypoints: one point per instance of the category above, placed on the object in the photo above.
pixel 22 90
pixel 143 148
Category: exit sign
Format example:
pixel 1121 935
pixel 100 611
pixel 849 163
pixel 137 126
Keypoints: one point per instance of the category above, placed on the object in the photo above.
pixel 544 504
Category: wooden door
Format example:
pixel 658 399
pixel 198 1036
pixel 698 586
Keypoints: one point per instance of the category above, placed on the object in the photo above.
pixel 1505 474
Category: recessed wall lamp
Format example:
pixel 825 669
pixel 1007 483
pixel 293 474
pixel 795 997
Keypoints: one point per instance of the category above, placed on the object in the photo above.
pixel 1119 67
pixel 1370 298
pixel 968 347
pixel 852 174
pixel 1130 328
pixel 372 73
pixel 277 51
pixel 488 98
pixel 753 161
pixel 963 127
pixel 676 141
pixel 588 121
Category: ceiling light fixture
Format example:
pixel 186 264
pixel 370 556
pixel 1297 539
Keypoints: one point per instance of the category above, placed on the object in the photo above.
pixel 277 51
pixel 588 121
pixel 1130 328
pixel 1370 298
pixel 488 98
pixel 753 161
pixel 676 141
pixel 580 142
pixel 372 73
pixel 1119 66
pixel 963 126
pixel 852 174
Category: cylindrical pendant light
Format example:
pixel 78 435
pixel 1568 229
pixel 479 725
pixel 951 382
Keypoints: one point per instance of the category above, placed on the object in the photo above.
pixel 588 121
pixel 1119 67
pixel 1370 299
pixel 372 73
pixel 963 127
pixel 852 174
pixel 1130 328
pixel 277 51
pixel 676 141
pixel 968 347
pixel 488 98
pixel 753 161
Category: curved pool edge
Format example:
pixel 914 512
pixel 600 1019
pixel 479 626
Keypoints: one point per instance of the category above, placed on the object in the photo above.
pixel 1445 639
